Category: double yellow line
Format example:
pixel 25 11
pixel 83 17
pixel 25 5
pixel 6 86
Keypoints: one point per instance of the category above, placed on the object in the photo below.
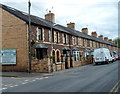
pixel 115 88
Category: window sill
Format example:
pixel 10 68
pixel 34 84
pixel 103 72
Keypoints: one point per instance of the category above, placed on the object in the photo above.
pixel 57 63
pixel 77 61
pixel 39 40
pixel 75 44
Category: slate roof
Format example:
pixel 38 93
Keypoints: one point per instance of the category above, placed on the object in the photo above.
pixel 42 22
pixel 24 16
pixel 80 34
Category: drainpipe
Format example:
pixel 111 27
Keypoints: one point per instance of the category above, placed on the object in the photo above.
pixel 53 65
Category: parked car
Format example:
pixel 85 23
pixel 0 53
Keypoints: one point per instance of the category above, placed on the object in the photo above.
pixel 113 58
pixel 102 55
pixel 118 57
pixel 113 55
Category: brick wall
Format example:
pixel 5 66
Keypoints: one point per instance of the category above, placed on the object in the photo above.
pixel 14 32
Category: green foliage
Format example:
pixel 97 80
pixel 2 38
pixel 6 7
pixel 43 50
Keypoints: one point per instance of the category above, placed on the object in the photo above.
pixel 32 42
pixel 117 41
pixel 52 57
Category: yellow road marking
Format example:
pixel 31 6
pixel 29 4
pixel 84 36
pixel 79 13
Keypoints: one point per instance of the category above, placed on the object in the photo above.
pixel 115 88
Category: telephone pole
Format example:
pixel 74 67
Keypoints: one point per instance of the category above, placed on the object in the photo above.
pixel 29 36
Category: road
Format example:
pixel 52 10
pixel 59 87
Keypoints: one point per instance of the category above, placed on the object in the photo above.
pixel 94 78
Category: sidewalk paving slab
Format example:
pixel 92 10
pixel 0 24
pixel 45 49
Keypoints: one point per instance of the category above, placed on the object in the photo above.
pixel 26 74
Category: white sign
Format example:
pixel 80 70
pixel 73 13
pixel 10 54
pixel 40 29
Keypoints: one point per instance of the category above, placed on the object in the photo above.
pixel 8 56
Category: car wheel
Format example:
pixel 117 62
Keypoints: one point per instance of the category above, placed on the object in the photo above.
pixel 96 63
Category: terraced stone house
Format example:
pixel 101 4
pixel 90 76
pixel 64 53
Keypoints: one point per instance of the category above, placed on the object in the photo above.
pixel 53 47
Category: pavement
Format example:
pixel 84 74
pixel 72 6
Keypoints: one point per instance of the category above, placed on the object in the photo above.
pixel 21 74
pixel 26 74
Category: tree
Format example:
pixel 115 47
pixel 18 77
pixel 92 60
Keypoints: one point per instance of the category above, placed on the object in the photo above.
pixel 117 41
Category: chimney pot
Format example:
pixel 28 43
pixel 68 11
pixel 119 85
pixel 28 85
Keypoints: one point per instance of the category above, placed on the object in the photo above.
pixel 106 38
pixel 85 30
pixel 110 40
pixel 71 25
pixel 101 37
pixel 50 17
pixel 94 34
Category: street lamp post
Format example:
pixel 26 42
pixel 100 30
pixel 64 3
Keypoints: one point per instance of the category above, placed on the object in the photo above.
pixel 29 37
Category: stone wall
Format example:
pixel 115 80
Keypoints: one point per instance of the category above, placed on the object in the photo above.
pixel 88 61
pixel 77 63
pixel 58 67
pixel 42 65
pixel 45 66
pixel 67 62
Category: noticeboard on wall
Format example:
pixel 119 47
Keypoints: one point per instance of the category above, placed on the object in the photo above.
pixel 8 56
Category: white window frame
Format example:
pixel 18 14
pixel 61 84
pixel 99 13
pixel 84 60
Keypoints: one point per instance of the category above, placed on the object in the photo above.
pixel 76 55
pixel 97 44
pixel 57 37
pixel 74 41
pixel 39 34
pixel 64 38
pixel 51 36
pixel 85 55
pixel 91 43
pixel 80 41
pixel 84 42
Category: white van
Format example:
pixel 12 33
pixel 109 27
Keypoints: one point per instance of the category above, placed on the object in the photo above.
pixel 102 55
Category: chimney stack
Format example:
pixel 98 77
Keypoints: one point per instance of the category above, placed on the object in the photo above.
pixel 71 25
pixel 94 34
pixel 110 40
pixel 106 38
pixel 100 37
pixel 85 30
pixel 50 17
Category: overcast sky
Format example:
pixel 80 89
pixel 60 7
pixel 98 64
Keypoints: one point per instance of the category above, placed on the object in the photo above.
pixel 98 15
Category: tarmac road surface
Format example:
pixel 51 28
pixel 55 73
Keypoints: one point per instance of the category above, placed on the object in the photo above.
pixel 95 78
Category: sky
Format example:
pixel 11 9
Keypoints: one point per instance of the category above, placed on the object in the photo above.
pixel 97 15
